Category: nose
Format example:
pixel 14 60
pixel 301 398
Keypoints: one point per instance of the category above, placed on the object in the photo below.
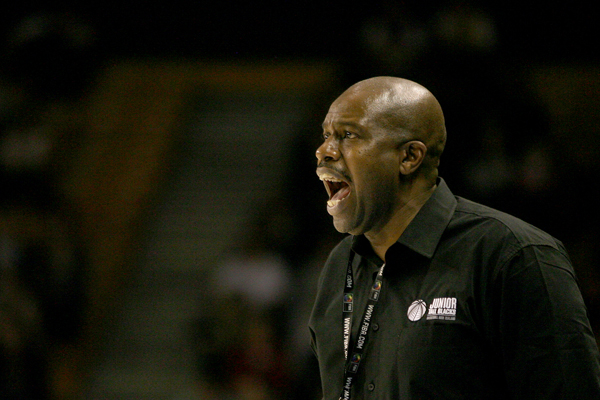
pixel 328 150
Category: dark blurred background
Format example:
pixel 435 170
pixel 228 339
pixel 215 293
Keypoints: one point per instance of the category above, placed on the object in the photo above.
pixel 161 226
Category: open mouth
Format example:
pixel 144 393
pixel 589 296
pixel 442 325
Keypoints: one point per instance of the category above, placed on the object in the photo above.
pixel 337 189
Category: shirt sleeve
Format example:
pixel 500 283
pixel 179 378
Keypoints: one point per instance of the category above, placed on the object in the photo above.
pixel 542 330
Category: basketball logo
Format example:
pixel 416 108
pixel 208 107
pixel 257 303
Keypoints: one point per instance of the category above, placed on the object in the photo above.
pixel 416 310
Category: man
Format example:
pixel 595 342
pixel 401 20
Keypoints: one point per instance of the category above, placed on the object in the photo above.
pixel 432 296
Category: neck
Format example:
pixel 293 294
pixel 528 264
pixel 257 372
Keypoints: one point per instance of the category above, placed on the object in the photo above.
pixel 382 239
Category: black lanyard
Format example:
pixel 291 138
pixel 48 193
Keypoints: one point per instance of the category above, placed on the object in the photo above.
pixel 353 362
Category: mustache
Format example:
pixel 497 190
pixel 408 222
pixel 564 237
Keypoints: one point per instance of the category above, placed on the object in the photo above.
pixel 323 164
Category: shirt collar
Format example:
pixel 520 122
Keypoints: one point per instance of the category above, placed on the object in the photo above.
pixel 424 232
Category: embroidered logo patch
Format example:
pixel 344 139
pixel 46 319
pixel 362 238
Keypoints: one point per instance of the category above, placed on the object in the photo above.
pixel 442 308
pixel 416 310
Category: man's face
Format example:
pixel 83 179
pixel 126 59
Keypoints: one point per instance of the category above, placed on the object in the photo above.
pixel 359 164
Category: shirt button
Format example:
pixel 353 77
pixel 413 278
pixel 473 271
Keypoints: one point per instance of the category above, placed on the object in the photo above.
pixel 375 327
pixel 371 387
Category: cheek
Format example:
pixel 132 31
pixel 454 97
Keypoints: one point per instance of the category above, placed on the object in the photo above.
pixel 383 170
pixel 374 171
pixel 378 183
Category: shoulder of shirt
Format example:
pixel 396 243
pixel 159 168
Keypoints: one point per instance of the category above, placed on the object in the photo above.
pixel 504 224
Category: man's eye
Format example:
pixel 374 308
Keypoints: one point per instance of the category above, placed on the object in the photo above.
pixel 349 135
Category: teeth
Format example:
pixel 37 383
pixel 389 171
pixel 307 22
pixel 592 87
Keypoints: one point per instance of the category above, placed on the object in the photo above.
pixel 332 203
pixel 328 177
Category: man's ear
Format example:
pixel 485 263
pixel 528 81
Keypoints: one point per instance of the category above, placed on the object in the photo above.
pixel 412 156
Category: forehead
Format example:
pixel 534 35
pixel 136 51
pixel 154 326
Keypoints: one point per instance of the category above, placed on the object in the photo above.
pixel 348 109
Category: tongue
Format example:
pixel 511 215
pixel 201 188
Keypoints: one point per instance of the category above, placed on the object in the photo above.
pixel 341 194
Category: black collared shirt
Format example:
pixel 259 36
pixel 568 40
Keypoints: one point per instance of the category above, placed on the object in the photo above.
pixel 495 312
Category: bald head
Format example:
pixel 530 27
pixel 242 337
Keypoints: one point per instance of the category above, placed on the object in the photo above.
pixel 404 108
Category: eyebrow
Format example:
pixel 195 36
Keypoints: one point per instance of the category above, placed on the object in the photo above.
pixel 342 123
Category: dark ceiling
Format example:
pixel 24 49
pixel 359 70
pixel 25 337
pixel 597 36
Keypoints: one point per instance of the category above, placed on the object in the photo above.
pixel 309 28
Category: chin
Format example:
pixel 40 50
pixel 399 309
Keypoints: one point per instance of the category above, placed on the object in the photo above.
pixel 347 227
pixel 340 229
pixel 341 226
